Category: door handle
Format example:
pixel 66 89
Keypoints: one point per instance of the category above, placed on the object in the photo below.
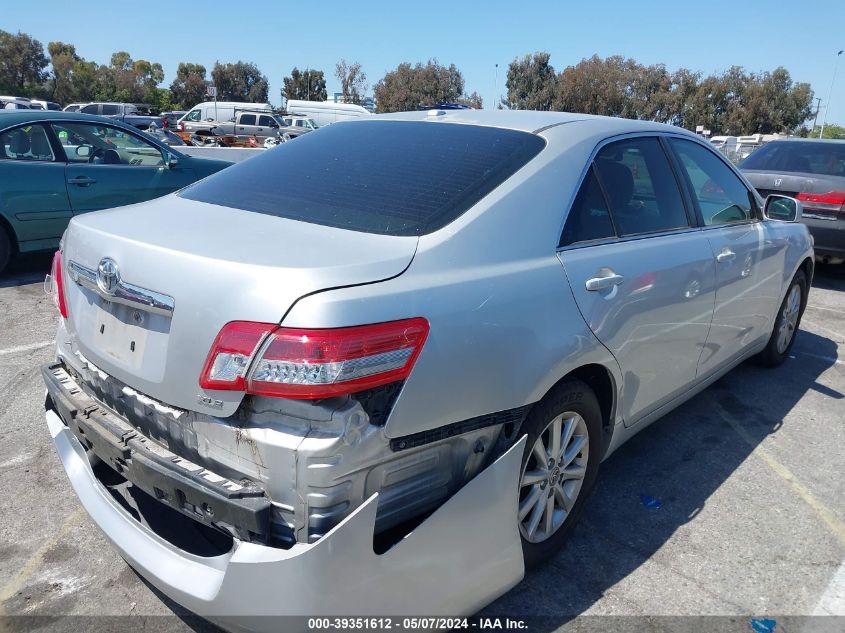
pixel 82 181
pixel 603 283
pixel 727 255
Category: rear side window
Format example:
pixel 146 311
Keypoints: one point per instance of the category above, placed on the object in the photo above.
pixel 589 218
pixel 247 119
pixel 193 115
pixel 640 186
pixel 824 159
pixel 90 109
pixel 26 143
pixel 109 109
pixel 385 177
pixel 719 193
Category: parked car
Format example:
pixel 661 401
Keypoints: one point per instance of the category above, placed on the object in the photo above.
pixel 327 112
pixel 15 103
pixel 257 124
pixel 73 107
pixel 298 124
pixel 813 171
pixel 204 116
pixel 41 104
pixel 170 120
pixel 382 381
pixel 57 165
pixel 137 115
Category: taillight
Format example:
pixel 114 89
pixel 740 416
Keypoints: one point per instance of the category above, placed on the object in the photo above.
pixel 263 359
pixel 227 362
pixel 57 286
pixel 830 201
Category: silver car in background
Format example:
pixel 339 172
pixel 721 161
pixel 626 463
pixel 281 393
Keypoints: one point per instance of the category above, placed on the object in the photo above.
pixel 375 371
pixel 812 171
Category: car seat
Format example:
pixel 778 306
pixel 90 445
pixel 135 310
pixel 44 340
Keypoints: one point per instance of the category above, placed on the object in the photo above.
pixel 19 144
pixel 40 146
pixel 618 183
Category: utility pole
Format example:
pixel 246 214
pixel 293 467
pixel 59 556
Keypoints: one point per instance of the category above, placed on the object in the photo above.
pixel 496 89
pixel 818 106
pixel 830 92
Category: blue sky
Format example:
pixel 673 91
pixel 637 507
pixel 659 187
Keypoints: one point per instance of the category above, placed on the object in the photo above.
pixel 707 36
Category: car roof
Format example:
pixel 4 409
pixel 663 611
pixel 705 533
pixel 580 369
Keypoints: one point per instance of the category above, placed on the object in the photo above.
pixel 528 120
pixel 11 118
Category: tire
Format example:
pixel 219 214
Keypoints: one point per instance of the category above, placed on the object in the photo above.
pixel 787 320
pixel 572 404
pixel 5 248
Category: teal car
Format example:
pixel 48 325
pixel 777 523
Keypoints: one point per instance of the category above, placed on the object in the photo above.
pixel 54 165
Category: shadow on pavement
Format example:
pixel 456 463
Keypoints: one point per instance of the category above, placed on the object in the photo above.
pixel 829 277
pixel 681 460
pixel 26 269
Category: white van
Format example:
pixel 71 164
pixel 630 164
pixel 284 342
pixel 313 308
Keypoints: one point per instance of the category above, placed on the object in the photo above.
pixel 326 112
pixel 207 112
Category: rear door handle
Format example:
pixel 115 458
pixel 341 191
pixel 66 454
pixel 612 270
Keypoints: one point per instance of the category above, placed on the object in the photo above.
pixel 603 283
pixel 82 181
pixel 727 255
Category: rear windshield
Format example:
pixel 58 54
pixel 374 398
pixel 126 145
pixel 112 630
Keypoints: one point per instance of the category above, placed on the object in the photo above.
pixel 824 159
pixel 386 177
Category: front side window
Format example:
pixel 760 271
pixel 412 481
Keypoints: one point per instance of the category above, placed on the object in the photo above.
pixel 641 188
pixel 28 143
pixel 384 177
pixel 105 145
pixel 247 119
pixel 719 193
pixel 589 217
pixel 266 121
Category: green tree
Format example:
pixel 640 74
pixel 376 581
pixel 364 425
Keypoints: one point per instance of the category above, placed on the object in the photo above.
pixel 473 100
pixel 190 86
pixel 308 84
pixel 408 87
pixel 240 81
pixel 831 130
pixel 530 83
pixel 22 64
pixel 63 57
pixel 353 81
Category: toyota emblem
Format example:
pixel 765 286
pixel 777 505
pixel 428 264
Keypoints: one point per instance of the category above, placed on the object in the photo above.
pixel 108 275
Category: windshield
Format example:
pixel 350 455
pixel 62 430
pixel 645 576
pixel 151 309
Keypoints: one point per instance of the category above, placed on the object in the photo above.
pixel 824 159
pixel 385 177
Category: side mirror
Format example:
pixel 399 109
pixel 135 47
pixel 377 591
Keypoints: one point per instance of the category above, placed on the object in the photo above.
pixel 83 151
pixel 783 208
pixel 170 160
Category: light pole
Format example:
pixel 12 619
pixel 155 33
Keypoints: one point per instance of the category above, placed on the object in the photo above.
pixel 496 88
pixel 830 93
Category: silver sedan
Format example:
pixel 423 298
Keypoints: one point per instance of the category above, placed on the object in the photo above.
pixel 376 370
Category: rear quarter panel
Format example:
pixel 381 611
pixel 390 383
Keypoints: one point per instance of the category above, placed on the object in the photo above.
pixel 504 325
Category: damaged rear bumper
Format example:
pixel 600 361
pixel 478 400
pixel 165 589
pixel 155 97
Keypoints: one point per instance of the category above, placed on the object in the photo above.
pixel 463 556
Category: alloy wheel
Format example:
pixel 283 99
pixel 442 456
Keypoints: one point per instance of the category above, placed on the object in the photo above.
pixel 553 475
pixel 789 318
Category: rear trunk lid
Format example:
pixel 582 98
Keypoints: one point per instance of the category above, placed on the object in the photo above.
pixel 214 265
pixel 792 183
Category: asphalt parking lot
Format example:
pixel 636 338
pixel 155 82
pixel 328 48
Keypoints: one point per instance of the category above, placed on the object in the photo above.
pixel 733 505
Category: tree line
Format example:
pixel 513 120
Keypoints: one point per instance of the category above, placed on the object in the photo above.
pixel 732 102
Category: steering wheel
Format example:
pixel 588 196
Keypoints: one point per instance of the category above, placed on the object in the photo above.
pixel 97 156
